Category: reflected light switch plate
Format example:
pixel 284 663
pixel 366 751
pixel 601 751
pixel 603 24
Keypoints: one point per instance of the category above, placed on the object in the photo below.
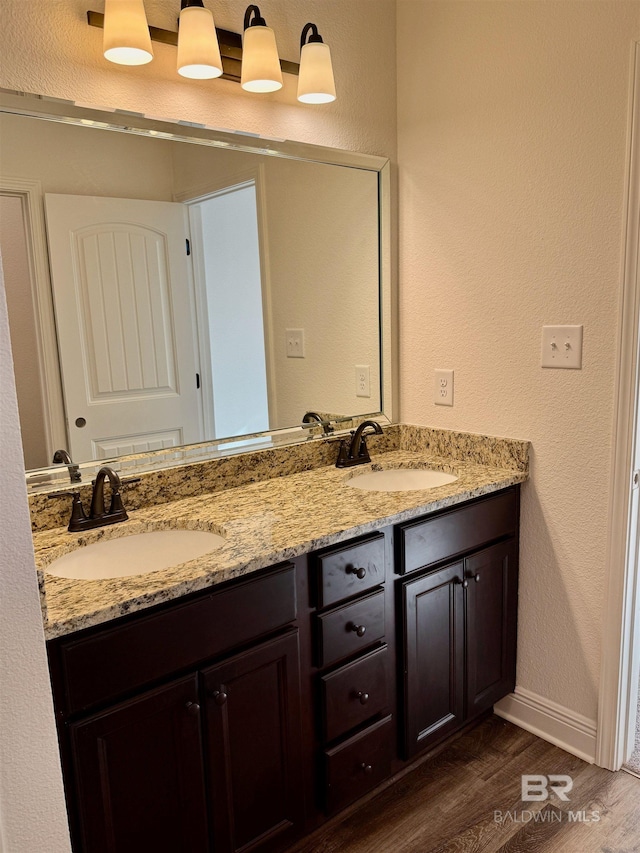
pixel 562 347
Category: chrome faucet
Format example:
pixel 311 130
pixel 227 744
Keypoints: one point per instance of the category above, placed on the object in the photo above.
pixel 98 516
pixel 61 457
pixel 357 453
pixel 310 417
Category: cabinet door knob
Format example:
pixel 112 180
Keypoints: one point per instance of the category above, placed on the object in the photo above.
pixel 363 697
pixel 463 583
pixel 193 708
pixel 359 629
pixel 476 577
pixel 358 572
pixel 367 768
pixel 219 697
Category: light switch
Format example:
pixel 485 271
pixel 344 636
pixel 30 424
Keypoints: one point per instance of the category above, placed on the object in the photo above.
pixel 562 347
pixel 295 343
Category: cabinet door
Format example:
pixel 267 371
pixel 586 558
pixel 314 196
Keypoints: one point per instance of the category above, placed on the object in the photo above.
pixel 139 774
pixel 492 608
pixel 254 744
pixel 433 656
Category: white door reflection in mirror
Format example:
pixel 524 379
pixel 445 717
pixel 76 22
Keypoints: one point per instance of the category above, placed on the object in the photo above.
pixel 231 319
pixel 127 349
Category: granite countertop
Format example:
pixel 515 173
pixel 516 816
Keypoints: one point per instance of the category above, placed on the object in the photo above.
pixel 263 524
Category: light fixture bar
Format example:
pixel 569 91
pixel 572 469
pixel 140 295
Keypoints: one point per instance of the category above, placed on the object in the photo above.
pixel 230 47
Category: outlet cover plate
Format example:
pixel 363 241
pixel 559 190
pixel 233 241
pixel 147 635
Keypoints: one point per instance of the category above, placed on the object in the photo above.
pixel 363 380
pixel 562 347
pixel 294 339
pixel 443 388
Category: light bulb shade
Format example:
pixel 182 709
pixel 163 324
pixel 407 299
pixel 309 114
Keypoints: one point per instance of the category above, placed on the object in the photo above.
pixel 198 50
pixel 315 81
pixel 126 33
pixel 261 70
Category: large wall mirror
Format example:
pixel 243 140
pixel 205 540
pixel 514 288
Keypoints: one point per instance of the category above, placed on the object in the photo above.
pixel 170 285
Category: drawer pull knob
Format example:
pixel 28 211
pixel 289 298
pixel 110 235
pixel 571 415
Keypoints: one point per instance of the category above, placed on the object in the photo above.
pixel 358 572
pixel 363 697
pixel 193 708
pixel 219 697
pixel 359 629
pixel 367 768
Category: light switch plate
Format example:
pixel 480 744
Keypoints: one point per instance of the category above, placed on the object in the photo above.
pixel 562 347
pixel 294 339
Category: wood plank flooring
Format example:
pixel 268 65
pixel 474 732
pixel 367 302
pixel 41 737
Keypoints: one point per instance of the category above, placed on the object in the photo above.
pixel 450 803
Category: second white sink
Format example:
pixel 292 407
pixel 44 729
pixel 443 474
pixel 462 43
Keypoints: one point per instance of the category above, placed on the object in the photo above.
pixel 138 554
pixel 400 480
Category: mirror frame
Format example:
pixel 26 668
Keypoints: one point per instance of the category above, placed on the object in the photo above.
pixel 122 121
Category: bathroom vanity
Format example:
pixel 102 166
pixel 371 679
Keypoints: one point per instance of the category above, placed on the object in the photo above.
pixel 341 629
pixel 244 714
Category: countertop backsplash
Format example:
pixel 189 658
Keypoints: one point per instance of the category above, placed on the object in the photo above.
pixel 170 484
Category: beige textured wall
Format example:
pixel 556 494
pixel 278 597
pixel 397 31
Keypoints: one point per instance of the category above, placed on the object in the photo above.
pixel 48 48
pixel 512 122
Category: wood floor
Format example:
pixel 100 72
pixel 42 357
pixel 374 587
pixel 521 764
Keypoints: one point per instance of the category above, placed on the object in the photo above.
pixel 450 802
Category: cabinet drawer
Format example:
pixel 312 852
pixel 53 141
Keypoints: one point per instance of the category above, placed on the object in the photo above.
pixel 354 693
pixel 350 628
pixel 112 661
pixel 425 542
pixel 358 765
pixel 343 572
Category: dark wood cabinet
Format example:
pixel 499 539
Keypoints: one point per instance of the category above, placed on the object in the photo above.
pixel 458 621
pixel 252 729
pixel 433 653
pixel 208 760
pixel 139 774
pixel 491 610
pixel 238 718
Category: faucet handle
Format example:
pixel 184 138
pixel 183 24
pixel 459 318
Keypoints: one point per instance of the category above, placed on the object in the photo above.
pixel 343 455
pixel 77 510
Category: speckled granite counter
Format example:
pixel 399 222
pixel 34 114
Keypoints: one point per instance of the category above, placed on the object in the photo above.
pixel 270 521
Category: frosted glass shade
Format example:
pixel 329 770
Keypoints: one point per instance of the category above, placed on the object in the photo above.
pixel 198 50
pixel 126 38
pixel 315 82
pixel 260 63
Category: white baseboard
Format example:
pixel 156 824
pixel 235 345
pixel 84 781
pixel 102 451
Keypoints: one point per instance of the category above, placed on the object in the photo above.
pixel 552 722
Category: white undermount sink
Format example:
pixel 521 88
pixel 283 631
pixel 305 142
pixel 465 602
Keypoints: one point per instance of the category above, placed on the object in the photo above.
pixel 137 554
pixel 400 479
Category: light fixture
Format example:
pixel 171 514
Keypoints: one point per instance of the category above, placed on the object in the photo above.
pixel 315 83
pixel 260 63
pixel 206 51
pixel 126 33
pixel 198 51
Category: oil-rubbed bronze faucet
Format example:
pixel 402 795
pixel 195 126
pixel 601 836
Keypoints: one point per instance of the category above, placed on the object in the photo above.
pixel 98 515
pixel 61 457
pixel 310 417
pixel 357 453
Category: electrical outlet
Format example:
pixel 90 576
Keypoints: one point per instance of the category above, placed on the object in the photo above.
pixel 363 380
pixel 443 391
pixel 295 343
